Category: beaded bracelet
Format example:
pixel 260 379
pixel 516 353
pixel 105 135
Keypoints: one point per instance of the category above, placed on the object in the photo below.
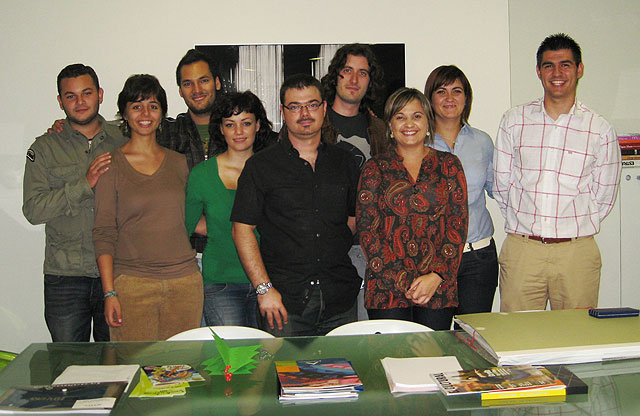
pixel 110 293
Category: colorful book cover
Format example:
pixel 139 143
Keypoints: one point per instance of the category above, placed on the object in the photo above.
pixel 166 375
pixel 327 377
pixel 498 379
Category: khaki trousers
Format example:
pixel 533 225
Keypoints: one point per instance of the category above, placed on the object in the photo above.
pixel 155 309
pixel 531 272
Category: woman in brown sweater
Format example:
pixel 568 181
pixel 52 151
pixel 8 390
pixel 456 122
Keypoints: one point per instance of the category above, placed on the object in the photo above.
pixel 153 288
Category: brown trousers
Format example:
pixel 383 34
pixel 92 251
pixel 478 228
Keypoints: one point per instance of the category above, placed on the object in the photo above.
pixel 155 309
pixel 531 272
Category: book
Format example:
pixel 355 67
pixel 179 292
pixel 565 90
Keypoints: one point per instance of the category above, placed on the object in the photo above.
pixel 145 388
pixel 496 383
pixel 77 374
pixel 413 374
pixel 468 403
pixel 554 337
pixel 326 378
pixel 62 399
pixel 171 375
pixel 630 137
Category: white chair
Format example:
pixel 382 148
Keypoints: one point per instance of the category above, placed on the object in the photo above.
pixel 378 326
pixel 224 332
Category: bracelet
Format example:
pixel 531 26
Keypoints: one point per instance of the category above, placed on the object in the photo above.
pixel 110 294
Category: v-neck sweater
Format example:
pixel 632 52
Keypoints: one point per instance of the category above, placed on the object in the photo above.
pixel 139 218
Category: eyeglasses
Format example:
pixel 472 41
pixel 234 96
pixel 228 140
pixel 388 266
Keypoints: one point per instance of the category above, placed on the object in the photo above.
pixel 296 108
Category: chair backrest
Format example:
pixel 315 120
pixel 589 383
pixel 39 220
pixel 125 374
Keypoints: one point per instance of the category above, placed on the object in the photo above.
pixel 378 326
pixel 224 332
pixel 5 358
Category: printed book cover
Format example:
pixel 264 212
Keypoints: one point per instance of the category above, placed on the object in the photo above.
pixel 315 379
pixel 65 398
pixel 167 375
pixel 498 379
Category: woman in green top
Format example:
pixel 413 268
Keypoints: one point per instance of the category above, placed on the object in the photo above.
pixel 238 128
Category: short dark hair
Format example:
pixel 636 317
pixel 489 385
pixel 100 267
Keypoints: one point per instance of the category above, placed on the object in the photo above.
pixel 232 104
pixel 193 56
pixel 300 81
pixel 76 70
pixel 339 60
pixel 140 87
pixel 446 75
pixel 556 42
pixel 399 99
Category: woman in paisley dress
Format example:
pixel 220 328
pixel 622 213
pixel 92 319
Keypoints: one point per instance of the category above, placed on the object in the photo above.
pixel 412 219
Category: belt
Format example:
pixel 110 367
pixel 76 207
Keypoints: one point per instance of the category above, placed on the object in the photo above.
pixel 477 245
pixel 545 240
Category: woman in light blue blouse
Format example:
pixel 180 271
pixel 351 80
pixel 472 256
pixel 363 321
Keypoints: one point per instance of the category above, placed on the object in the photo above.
pixel 450 93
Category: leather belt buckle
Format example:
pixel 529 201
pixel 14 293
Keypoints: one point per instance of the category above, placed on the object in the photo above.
pixel 545 240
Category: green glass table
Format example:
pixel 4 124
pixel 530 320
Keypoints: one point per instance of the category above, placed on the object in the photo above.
pixel 613 387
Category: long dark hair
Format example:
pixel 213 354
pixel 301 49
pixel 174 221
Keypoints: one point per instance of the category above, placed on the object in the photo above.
pixel 232 104
pixel 376 74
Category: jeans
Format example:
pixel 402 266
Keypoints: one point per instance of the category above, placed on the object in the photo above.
pixel 230 304
pixel 477 280
pixel 313 321
pixel 436 319
pixel 70 303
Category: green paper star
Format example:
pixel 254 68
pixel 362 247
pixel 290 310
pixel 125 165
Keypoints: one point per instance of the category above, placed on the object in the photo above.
pixel 239 358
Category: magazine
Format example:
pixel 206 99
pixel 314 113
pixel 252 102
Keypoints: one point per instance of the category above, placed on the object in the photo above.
pixel 62 399
pixel 317 379
pixel 168 375
pixel 501 382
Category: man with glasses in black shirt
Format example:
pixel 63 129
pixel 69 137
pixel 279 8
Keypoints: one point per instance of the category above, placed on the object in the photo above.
pixel 300 196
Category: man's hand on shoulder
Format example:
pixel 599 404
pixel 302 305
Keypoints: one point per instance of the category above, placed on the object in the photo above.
pixel 271 307
pixel 56 127
pixel 97 168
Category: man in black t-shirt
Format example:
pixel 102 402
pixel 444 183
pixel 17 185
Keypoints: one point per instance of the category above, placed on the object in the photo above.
pixel 352 85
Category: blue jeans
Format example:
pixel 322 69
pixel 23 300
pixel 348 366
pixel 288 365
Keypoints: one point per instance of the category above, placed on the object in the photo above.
pixel 313 321
pixel 477 280
pixel 70 303
pixel 436 319
pixel 230 304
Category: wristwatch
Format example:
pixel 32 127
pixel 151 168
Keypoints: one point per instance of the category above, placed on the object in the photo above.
pixel 263 288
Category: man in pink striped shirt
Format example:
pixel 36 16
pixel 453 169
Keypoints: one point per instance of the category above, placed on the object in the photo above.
pixel 557 170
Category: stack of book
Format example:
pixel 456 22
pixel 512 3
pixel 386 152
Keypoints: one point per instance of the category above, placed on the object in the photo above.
pixel 327 378
pixel 629 146
pixel 516 382
pixel 165 380
pixel 567 336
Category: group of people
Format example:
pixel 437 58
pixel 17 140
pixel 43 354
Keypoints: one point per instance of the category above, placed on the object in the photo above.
pixel 290 225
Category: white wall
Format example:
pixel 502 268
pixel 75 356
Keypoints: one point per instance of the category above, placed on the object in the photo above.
pixel 118 38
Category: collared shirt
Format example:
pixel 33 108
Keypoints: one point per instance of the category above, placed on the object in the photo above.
pixel 474 148
pixel 301 215
pixel 555 178
pixel 181 135
pixel 56 193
